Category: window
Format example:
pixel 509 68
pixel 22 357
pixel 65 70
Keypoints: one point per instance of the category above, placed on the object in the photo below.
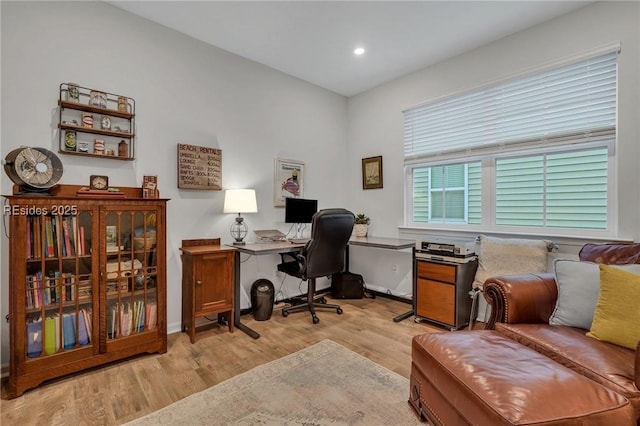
pixel 534 152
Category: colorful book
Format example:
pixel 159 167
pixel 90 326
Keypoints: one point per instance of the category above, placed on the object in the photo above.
pixel 83 250
pixel 37 237
pixel 69 330
pixel 87 322
pixel 151 311
pixel 51 342
pixel 67 237
pixel 34 338
pixel 83 336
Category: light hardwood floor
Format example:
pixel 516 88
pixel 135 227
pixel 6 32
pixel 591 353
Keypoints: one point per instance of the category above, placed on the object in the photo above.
pixel 129 389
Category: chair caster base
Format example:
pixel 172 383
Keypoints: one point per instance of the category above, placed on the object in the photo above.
pixel 285 314
pixel 315 319
pixel 339 311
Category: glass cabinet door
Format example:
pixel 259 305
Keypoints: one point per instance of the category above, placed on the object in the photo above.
pixel 130 273
pixel 58 283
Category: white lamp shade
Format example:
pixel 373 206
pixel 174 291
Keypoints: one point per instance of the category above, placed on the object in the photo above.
pixel 240 201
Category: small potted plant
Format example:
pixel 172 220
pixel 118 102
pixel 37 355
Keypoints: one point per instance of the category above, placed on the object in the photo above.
pixel 362 225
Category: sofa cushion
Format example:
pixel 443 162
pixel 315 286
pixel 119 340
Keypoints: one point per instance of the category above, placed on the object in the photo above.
pixel 483 378
pixel 607 364
pixel 617 315
pixel 578 289
pixel 504 256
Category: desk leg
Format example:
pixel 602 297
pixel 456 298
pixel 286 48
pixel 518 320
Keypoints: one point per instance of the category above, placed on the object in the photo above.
pixel 403 316
pixel 236 296
pixel 413 273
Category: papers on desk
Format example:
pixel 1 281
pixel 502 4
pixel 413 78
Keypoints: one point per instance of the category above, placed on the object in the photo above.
pixel 270 235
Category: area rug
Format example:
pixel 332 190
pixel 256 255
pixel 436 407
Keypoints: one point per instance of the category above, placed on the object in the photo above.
pixel 324 384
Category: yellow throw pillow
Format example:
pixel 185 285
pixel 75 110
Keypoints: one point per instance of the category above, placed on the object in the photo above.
pixel 617 315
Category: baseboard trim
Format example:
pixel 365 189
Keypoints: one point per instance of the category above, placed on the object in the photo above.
pixel 389 296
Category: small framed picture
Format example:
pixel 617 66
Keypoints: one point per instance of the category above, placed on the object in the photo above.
pixel 288 180
pixel 372 172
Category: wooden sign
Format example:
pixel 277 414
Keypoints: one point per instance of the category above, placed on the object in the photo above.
pixel 199 167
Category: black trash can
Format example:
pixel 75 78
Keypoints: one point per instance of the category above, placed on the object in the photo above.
pixel 262 298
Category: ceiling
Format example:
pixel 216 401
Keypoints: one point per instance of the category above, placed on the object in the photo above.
pixel 314 40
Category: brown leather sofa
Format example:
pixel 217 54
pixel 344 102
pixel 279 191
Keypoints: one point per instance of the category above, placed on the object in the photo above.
pixel 523 371
pixel 520 309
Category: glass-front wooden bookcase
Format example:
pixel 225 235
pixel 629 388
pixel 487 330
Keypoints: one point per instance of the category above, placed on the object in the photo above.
pixel 87 281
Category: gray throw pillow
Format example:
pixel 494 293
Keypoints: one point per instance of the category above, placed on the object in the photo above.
pixel 578 289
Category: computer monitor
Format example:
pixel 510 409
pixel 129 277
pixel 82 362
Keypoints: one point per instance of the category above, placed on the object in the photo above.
pixel 299 210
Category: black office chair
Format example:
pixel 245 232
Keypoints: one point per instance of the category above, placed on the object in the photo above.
pixel 323 255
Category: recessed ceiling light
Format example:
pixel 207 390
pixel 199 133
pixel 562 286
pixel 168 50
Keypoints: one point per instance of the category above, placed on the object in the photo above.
pixel 359 51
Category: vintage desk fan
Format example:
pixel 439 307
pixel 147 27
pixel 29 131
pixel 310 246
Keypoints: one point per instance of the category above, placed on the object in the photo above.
pixel 34 170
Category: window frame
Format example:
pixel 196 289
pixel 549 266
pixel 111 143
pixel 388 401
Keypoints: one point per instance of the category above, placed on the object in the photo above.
pixel 488 185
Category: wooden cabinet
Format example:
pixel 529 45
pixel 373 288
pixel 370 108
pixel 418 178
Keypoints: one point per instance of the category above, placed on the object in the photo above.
pixel 94 123
pixel 87 282
pixel 207 282
pixel 441 291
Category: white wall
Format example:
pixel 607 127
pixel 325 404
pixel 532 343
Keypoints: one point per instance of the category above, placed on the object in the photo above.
pixel 375 118
pixel 185 91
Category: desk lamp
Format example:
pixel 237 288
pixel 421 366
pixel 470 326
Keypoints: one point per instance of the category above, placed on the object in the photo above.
pixel 240 201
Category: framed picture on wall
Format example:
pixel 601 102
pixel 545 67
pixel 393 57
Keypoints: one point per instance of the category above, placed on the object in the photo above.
pixel 288 180
pixel 372 172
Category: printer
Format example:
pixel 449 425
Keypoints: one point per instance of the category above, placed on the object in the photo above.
pixel 449 249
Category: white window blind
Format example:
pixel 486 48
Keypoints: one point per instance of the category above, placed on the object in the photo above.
pixel 572 102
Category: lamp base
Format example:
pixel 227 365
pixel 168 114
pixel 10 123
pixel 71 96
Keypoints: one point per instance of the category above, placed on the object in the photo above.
pixel 239 243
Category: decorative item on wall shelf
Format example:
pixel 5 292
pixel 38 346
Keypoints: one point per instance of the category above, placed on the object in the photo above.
pixel 73 92
pixel 105 122
pixel 288 181
pixel 199 167
pixel 123 149
pixel 97 99
pixel 372 172
pixel 361 227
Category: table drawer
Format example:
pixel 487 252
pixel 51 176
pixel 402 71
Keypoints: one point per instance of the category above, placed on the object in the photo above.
pixel 437 271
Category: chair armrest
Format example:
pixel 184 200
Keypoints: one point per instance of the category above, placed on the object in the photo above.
pixel 521 298
pixel 292 256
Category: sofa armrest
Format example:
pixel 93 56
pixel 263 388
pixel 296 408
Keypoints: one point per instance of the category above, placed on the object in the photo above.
pixel 522 298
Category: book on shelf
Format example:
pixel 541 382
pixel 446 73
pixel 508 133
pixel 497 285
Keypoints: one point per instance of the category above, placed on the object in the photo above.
pixel 66 232
pixel 83 335
pixel 69 330
pixel 52 334
pixel 83 250
pixel 151 312
pixel 87 322
pixel 34 338
pixel 34 291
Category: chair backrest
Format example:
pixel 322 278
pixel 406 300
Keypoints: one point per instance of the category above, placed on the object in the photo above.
pixel 330 233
